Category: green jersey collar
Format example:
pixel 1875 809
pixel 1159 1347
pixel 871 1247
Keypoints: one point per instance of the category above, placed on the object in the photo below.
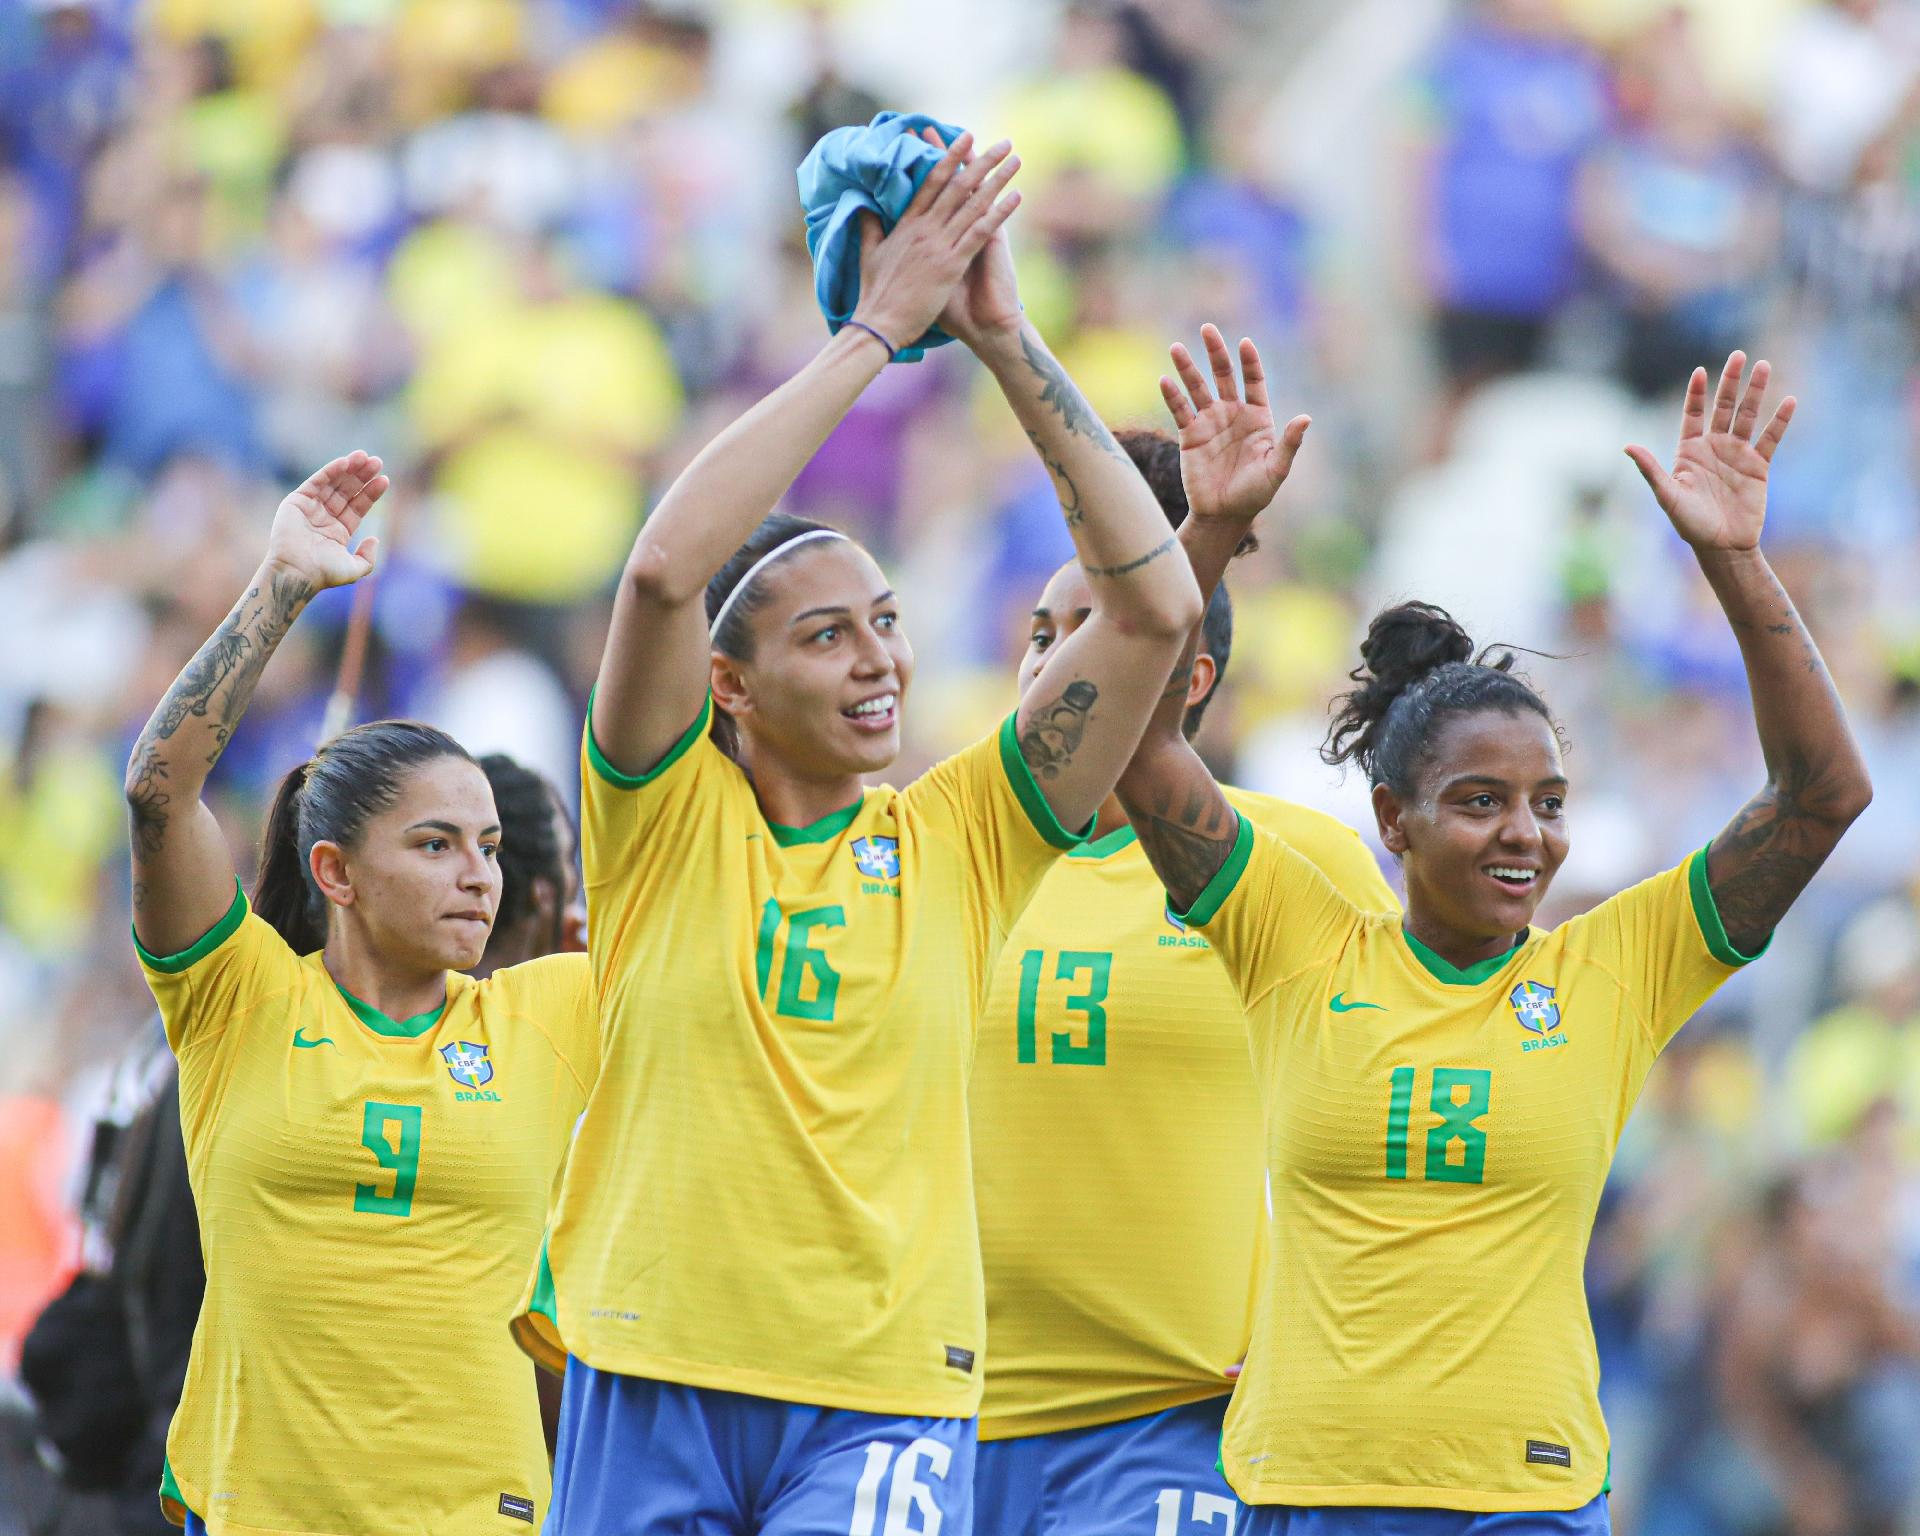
pixel 393 1029
pixel 1444 970
pixel 825 830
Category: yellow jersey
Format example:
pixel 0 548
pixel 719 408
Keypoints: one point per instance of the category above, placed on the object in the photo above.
pixel 771 1191
pixel 1436 1143
pixel 1117 1140
pixel 371 1192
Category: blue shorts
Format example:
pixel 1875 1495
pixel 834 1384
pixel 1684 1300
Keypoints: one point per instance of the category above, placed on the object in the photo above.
pixel 195 1525
pixel 1358 1520
pixel 654 1458
pixel 1139 1477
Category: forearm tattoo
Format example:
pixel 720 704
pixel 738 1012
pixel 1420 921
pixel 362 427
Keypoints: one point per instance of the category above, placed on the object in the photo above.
pixel 1059 395
pixel 216 686
pixel 1064 488
pixel 1131 566
pixel 1053 731
pixel 1186 828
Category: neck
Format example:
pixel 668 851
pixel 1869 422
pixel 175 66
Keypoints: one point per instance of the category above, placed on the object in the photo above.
pixel 794 799
pixel 1112 818
pixel 1450 944
pixel 400 992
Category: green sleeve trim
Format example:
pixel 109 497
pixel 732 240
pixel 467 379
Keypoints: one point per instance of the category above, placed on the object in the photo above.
pixel 544 1303
pixel 172 1505
pixel 678 750
pixel 1026 790
pixel 1706 912
pixel 1206 906
pixel 208 942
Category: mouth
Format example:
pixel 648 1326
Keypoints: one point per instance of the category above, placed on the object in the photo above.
pixel 1515 879
pixel 480 918
pixel 876 715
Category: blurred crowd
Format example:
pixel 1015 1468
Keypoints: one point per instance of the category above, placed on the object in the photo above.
pixel 535 251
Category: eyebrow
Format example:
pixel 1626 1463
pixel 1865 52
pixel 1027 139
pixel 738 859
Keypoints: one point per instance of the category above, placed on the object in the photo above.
pixel 1083 614
pixel 1487 778
pixel 836 610
pixel 448 826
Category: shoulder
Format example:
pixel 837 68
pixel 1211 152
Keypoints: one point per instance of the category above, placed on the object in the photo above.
pixel 1328 843
pixel 551 996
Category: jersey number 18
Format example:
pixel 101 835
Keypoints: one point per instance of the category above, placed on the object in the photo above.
pixel 1459 1096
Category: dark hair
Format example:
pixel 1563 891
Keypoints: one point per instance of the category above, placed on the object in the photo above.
pixel 329 799
pixel 1417 669
pixel 1157 456
pixel 530 847
pixel 735 637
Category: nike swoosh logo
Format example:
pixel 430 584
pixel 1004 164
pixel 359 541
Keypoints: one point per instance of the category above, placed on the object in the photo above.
pixel 1339 1004
pixel 307 1045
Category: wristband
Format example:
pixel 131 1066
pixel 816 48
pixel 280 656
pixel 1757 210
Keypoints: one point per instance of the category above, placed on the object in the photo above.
pixel 892 351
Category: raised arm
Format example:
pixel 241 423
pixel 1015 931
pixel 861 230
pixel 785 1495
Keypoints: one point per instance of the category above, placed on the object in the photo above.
pixel 1716 497
pixel 182 871
pixel 654 673
pixel 1233 463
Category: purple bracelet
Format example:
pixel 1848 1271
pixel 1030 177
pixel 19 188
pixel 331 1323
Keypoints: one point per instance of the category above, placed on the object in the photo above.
pixel 892 351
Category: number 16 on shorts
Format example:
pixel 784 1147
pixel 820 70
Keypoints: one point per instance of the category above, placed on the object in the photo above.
pixel 886 1505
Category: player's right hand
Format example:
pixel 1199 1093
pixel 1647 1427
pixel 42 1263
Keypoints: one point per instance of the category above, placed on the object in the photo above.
pixel 1232 460
pixel 907 277
pixel 314 528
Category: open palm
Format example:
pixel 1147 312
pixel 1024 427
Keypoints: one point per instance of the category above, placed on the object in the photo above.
pixel 314 528
pixel 1232 460
pixel 1716 493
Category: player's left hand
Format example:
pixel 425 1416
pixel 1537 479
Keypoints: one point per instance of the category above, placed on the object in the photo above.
pixel 1716 493
pixel 988 296
pixel 1232 461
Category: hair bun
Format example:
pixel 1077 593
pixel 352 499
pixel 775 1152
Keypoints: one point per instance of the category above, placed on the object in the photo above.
pixel 1406 642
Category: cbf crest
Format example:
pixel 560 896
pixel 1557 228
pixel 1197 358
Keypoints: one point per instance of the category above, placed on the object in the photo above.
pixel 878 858
pixel 1535 1008
pixel 467 1064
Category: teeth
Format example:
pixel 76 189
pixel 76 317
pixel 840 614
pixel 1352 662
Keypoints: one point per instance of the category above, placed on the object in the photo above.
pixel 1501 872
pixel 879 706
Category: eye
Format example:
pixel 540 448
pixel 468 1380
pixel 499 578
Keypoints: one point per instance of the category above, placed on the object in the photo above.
pixel 491 850
pixel 1041 639
pixel 436 845
pixel 826 636
pixel 887 621
pixel 1553 805
pixel 1482 801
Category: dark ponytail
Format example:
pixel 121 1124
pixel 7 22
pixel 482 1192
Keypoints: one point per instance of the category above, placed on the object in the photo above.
pixel 530 847
pixel 735 637
pixel 329 799
pixel 1156 455
pixel 1417 669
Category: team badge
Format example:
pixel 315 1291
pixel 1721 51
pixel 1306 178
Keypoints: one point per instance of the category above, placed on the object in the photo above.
pixel 467 1064
pixel 878 858
pixel 1534 1007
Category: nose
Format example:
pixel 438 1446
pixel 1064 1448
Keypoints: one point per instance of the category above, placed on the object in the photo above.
pixel 1520 828
pixel 478 874
pixel 871 657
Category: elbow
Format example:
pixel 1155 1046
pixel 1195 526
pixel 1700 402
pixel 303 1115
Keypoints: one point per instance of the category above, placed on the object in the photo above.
pixel 1854 797
pixel 1170 617
pixel 654 577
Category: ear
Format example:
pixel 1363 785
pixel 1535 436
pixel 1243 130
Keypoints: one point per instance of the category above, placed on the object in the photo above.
pixel 1201 679
pixel 1390 816
pixel 729 686
pixel 328 862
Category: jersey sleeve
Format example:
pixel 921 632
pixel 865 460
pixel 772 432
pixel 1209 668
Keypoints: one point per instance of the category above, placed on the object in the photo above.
pixel 1269 913
pixel 1664 942
pixel 1327 843
pixel 986 802
pixel 556 993
pixel 237 966
pixel 622 812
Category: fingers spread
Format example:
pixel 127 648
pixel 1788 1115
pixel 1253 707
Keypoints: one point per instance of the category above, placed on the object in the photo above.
pixel 1748 415
pixel 1222 361
pixel 1729 390
pixel 1693 414
pixel 1658 480
pixel 1190 375
pixel 1177 405
pixel 1777 428
pixel 1251 371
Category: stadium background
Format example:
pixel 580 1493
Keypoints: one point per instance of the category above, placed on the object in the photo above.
pixel 535 253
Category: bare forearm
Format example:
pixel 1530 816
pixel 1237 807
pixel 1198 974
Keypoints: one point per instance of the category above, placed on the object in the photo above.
pixel 1118 529
pixel 1183 821
pixel 739 477
pixel 196 718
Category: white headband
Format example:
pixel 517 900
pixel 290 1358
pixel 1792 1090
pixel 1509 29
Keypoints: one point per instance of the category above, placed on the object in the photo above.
pixel 713 630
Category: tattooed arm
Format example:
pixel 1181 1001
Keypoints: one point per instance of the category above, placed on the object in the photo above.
pixel 182 870
pixel 1817 785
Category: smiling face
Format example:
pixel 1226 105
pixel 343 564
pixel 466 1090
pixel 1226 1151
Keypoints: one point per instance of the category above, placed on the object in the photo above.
pixel 1485 831
pixel 823 687
pixel 422 880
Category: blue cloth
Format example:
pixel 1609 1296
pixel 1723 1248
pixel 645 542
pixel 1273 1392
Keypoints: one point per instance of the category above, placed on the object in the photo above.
pixel 1340 1520
pixel 195 1525
pixel 654 1458
pixel 875 169
pixel 1110 1480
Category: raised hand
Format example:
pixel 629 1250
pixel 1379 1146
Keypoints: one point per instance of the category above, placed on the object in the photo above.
pixel 988 297
pixel 1716 493
pixel 313 528
pixel 1232 461
pixel 907 278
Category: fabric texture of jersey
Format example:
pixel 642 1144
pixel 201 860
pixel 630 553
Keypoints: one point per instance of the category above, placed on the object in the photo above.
pixel 654 1458
pixel 1140 1477
pixel 1437 1140
pixel 1117 1140
pixel 371 1192
pixel 771 1191
pixel 1590 1519
pixel 875 169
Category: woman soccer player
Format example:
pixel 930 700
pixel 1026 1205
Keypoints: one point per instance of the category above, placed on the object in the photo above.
pixel 1443 1091
pixel 1116 1127
pixel 765 1263
pixel 373 1137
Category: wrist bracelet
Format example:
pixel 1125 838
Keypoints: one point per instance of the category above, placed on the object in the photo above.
pixel 892 351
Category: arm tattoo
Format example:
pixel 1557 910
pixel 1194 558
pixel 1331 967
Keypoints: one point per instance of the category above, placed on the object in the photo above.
pixel 1053 731
pixel 1060 396
pixel 216 686
pixel 1068 492
pixel 1763 859
pixel 1187 832
pixel 1132 565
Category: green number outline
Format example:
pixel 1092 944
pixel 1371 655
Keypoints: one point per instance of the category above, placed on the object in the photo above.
pixel 1456 1124
pixel 1026 1051
pixel 1100 967
pixel 801 960
pixel 1399 1112
pixel 403 1159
